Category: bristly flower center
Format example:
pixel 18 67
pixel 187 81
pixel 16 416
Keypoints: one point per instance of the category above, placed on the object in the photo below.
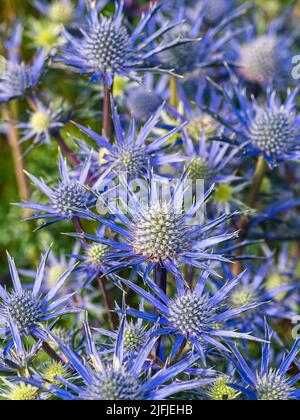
pixel 40 122
pixel 273 387
pixel 191 314
pixel 113 385
pixel 200 169
pixel 107 46
pixel 159 233
pixel 130 158
pixel 95 254
pixel 68 196
pixel 260 59
pixel 273 132
pixel 23 309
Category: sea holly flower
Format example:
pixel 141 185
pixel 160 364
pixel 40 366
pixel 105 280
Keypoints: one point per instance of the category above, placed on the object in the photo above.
pixel 107 47
pixel 132 152
pixel 264 58
pixel 97 257
pixel 193 314
pixel 269 130
pixel 16 77
pixel 18 392
pixel 127 381
pixel 43 122
pixel 268 383
pixel 209 160
pixel 17 359
pixel 161 231
pixel 221 390
pixel 22 310
pixel 252 289
pixel 68 193
pixel 206 50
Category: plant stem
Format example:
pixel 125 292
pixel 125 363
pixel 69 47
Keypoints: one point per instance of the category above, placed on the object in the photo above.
pixel 66 149
pixel 13 138
pixel 107 303
pixel 174 100
pixel 79 229
pixel 107 117
pixel 160 276
pixel 259 175
pixel 49 350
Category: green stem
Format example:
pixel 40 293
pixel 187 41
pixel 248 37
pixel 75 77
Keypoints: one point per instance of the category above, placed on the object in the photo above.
pixel 79 229
pixel 174 99
pixel 259 175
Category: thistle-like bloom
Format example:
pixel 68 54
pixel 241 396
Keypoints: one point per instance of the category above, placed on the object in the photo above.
pixel 107 48
pixel 161 231
pixel 24 309
pixel 132 153
pixel 193 315
pixel 116 380
pixel 210 160
pixel 69 192
pixel 252 289
pixel 206 51
pixel 43 122
pixel 17 78
pixel 264 58
pixel 18 392
pixel 268 383
pixel 221 390
pixel 270 130
pixel 97 257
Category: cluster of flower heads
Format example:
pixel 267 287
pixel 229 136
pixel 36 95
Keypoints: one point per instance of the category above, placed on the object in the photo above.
pixel 173 285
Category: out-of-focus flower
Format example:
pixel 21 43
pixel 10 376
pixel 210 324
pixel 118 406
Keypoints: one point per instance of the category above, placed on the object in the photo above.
pixel 43 122
pixel 17 78
pixel 62 11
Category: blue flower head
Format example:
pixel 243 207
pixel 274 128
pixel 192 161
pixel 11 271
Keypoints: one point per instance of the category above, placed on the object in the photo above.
pixel 264 58
pixel 268 383
pixel 114 380
pixel 17 78
pixel 68 193
pixel 208 49
pixel 270 129
pixel 132 153
pixel 193 314
pixel 107 47
pixel 43 122
pixel 24 309
pixel 161 231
